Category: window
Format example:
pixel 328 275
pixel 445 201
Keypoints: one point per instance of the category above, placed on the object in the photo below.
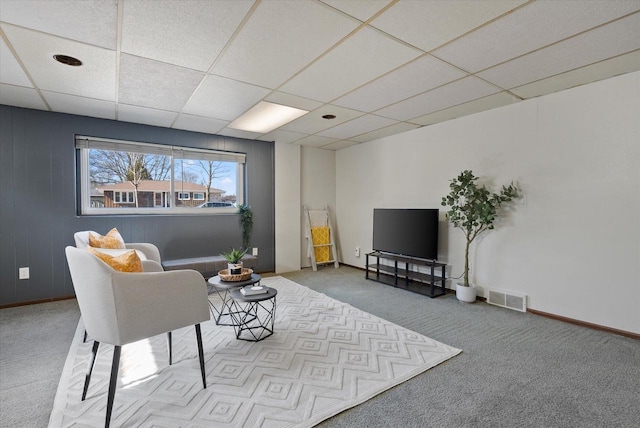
pixel 121 177
pixel 123 197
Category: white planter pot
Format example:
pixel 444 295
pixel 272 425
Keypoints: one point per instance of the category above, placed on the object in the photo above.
pixel 466 294
pixel 235 268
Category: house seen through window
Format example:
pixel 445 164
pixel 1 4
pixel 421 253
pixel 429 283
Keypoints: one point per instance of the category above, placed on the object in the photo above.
pixel 140 178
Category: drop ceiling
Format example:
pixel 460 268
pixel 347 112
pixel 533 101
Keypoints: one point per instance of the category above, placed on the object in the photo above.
pixel 381 67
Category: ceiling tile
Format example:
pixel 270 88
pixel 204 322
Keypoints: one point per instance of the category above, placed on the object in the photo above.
pixel 313 122
pixel 96 78
pixel 21 97
pixel 385 132
pixel 458 92
pixel 232 98
pixel 230 132
pixel 198 32
pixel 546 23
pixel 357 126
pixel 10 70
pixel 362 10
pixel 604 42
pixel 601 70
pixel 281 136
pixel 279 39
pixel 429 24
pixel 88 21
pixel 315 141
pixel 154 84
pixel 342 144
pixel 425 73
pixel 293 101
pixel 360 59
pixel 146 115
pixel 81 106
pixel 199 124
pixel 482 104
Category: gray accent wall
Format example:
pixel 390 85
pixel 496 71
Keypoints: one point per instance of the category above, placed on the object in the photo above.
pixel 38 213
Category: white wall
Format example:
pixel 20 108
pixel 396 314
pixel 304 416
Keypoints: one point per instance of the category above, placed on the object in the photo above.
pixel 288 205
pixel 318 187
pixel 574 248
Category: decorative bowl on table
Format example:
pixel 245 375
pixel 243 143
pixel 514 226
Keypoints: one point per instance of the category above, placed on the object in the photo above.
pixel 243 276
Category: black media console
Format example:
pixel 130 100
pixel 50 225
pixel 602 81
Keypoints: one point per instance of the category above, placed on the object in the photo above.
pixel 427 283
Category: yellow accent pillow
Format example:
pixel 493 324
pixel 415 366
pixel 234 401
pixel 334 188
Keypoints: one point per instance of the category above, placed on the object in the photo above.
pixel 113 239
pixel 321 236
pixel 125 262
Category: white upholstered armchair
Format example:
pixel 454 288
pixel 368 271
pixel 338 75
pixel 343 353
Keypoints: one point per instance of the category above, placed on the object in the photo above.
pixel 118 308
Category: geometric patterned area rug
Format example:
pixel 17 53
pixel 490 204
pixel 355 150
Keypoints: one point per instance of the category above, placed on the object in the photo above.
pixel 324 357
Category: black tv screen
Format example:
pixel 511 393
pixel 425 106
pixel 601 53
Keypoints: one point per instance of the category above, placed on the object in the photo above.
pixel 409 232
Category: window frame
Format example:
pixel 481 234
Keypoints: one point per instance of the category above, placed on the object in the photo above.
pixel 181 196
pixel 84 144
pixel 198 193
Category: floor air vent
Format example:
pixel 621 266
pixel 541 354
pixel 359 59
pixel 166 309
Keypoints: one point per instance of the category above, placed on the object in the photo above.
pixel 508 299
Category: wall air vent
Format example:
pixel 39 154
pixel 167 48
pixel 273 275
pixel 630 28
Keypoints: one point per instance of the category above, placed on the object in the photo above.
pixel 508 299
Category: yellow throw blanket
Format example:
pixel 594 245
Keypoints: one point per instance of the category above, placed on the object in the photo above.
pixel 319 236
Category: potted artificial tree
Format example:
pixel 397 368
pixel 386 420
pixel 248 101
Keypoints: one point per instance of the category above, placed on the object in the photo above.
pixel 234 261
pixel 246 223
pixel 474 209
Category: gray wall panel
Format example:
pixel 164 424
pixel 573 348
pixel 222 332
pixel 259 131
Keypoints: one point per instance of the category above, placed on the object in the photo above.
pixel 38 214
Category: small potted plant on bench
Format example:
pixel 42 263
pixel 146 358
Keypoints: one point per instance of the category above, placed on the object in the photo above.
pixel 234 259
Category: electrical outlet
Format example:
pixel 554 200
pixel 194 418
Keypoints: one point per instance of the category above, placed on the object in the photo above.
pixel 357 252
pixel 255 251
pixel 23 273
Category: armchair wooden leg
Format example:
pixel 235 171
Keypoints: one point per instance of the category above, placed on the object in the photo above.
pixel 115 365
pixel 84 338
pixel 169 347
pixel 92 361
pixel 201 355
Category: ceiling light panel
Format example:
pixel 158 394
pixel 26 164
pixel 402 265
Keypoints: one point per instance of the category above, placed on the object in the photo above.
pixel 360 59
pixel 458 92
pixel 223 98
pixel 425 73
pixel 95 79
pixel 279 39
pixel 265 117
pixel 358 126
pixel 604 42
pixel 313 122
pixel 154 84
pixel 238 133
pixel 81 106
pixel 362 10
pixel 92 22
pixel 10 71
pixel 21 97
pixel 197 33
pixel 199 124
pixel 145 115
pixel 429 24
pixel 292 100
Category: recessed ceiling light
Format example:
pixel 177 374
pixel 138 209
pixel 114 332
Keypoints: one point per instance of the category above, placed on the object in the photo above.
pixel 67 60
pixel 329 116
pixel 265 117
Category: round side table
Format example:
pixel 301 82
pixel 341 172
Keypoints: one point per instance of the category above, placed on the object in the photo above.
pixel 222 288
pixel 254 315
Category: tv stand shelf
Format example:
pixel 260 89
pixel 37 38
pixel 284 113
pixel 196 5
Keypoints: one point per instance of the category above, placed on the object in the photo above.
pixel 400 275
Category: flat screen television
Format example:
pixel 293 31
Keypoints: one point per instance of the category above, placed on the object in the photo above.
pixel 408 232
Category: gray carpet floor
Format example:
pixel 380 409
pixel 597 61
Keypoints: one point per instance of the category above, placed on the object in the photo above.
pixel 516 370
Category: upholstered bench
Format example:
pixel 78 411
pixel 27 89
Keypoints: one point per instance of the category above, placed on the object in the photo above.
pixel 207 266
